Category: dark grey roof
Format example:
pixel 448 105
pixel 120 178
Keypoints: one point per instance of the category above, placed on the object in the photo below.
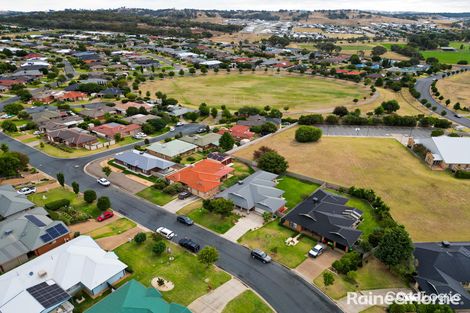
pixel 143 160
pixel 40 109
pixel 11 202
pixel 327 215
pixel 256 191
pixel 443 269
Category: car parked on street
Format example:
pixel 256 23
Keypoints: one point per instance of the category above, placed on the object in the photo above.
pixel 183 219
pixel 165 232
pixel 183 195
pixel 26 190
pixel 190 245
pixel 179 124
pixel 140 135
pixel 317 250
pixel 104 182
pixel 106 215
pixel 260 255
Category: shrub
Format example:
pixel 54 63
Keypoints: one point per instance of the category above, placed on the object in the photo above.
pixel 332 120
pixel 349 262
pixel 308 134
pixel 328 278
pixel 437 133
pixel 160 184
pixel 89 196
pixel 311 119
pixel 55 205
pixel 173 189
pixel 159 247
pixel 273 162
pixel 103 203
pixel 462 174
pixel 140 237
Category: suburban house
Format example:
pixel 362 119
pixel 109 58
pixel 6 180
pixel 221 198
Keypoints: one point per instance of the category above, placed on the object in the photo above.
pixel 202 178
pixel 60 123
pixel 238 132
pixel 326 216
pixel 141 162
pixel 223 158
pixel 27 235
pixel 72 96
pixel 171 149
pixel 443 268
pixel 140 119
pixel 256 192
pixel 98 112
pixel 121 108
pixel 111 92
pixel 258 120
pixel 211 140
pixel 12 203
pixel 44 116
pixel 445 152
pixel 47 282
pixel 71 137
pixel 109 130
pixel 135 297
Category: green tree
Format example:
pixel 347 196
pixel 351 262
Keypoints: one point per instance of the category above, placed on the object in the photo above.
pixel 226 142
pixel 390 106
pixel 395 246
pixel 75 187
pixel 159 247
pixel 204 109
pixel 308 134
pixel 140 237
pixel 89 196
pixel 208 255
pixel 61 179
pixel 378 50
pixel 117 137
pixel 268 128
pixel 220 206
pixel 4 147
pixel 273 162
pixel 9 165
pixel 192 116
pixel 328 278
pixel 106 170
pixel 340 111
pixel 103 203
pixel 9 126
pixel 214 112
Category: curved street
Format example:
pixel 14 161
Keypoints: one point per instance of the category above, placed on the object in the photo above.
pixel 423 86
pixel 284 290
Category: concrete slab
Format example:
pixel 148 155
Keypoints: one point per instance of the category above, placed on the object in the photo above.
pixel 311 268
pixel 216 300
pixel 244 224
pixel 177 204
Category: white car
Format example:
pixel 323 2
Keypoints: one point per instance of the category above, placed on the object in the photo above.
pixel 104 182
pixel 172 129
pixel 317 250
pixel 165 232
pixel 26 190
pixel 140 135
pixel 179 124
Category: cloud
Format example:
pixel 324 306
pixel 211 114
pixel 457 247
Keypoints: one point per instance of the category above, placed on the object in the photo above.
pixel 383 5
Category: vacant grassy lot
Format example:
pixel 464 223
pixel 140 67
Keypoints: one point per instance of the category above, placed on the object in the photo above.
pixel 295 190
pixel 271 239
pixel 236 90
pixel 115 228
pixel 191 278
pixel 247 302
pixel 456 88
pixel 216 222
pixel 432 205
pixel 155 196
pixel 372 275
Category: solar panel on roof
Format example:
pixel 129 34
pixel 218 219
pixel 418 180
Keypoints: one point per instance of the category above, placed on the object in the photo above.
pixel 33 219
pixel 61 229
pixel 46 238
pixel 48 295
pixel 52 232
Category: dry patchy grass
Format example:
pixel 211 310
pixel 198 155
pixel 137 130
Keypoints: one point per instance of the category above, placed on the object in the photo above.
pixel 456 88
pixel 432 205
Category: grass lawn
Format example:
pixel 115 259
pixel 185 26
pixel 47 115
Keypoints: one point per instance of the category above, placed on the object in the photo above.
pixel 375 309
pixel 241 171
pixel 155 196
pixel 247 302
pixel 432 205
pixel 296 190
pixel 450 57
pixel 236 90
pixel 372 275
pixel 456 88
pixel 195 156
pixel 271 239
pixel 213 221
pixel 191 278
pixel 115 228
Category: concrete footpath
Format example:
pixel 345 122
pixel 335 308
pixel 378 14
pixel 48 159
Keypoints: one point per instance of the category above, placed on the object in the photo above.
pixel 216 300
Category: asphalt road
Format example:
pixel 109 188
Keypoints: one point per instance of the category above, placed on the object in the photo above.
pixel 423 86
pixel 68 69
pixel 374 131
pixel 285 291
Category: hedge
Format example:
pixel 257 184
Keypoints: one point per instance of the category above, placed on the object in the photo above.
pixel 462 174
pixel 55 205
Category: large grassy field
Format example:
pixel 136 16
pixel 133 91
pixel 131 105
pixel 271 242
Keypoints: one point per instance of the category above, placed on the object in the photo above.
pixel 432 205
pixel 456 88
pixel 450 57
pixel 277 90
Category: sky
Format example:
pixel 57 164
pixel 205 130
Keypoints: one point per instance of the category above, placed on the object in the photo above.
pixel 380 5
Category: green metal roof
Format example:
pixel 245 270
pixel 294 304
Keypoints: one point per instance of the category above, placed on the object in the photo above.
pixel 133 297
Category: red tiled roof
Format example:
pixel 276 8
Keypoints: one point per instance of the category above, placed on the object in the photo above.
pixel 239 131
pixel 111 130
pixel 203 176
pixel 347 72
pixel 73 95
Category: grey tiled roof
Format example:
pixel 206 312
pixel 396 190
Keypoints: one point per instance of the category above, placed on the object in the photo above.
pixel 143 160
pixel 11 202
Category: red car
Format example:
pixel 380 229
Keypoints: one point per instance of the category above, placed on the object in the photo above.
pixel 105 216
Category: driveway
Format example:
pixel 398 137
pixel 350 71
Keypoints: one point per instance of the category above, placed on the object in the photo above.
pixel 91 225
pixel 311 268
pixel 112 242
pixel 216 300
pixel 244 224
pixel 177 204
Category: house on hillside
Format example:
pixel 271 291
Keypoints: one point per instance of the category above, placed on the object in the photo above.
pixel 202 178
pixel 135 297
pixel 47 283
pixel 171 149
pixel 27 235
pixel 445 152
pixel 444 268
pixel 257 192
pixel 326 217
pixel 141 162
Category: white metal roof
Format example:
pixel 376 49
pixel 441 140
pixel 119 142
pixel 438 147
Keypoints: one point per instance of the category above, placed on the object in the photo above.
pixel 453 150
